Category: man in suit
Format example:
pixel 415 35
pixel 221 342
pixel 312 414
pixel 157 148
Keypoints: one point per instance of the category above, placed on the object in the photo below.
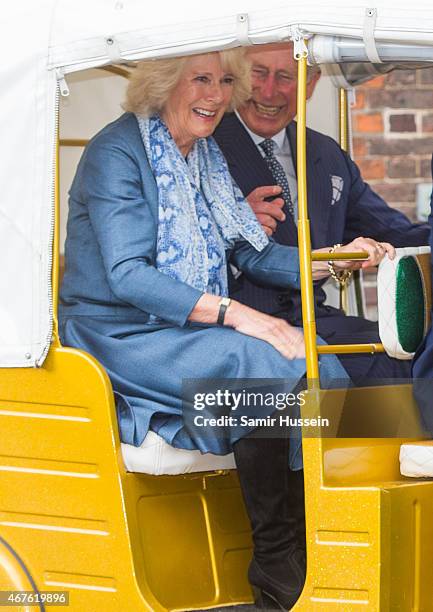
pixel 259 143
pixel 423 361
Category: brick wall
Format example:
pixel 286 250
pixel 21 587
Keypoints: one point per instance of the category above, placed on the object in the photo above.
pixel 392 124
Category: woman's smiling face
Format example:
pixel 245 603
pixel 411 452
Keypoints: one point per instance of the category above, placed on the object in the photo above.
pixel 197 103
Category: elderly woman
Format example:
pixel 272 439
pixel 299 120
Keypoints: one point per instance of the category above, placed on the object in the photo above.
pixel 154 218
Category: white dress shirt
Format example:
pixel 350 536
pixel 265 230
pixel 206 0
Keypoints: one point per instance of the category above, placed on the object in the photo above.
pixel 284 156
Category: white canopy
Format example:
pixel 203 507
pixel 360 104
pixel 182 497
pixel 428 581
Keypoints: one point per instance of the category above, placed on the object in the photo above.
pixel 40 42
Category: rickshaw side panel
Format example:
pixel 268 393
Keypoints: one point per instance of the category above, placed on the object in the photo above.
pixel 368 528
pixel 120 541
pixel 115 540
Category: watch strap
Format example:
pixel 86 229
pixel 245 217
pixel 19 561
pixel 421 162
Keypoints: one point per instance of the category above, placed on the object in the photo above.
pixel 223 304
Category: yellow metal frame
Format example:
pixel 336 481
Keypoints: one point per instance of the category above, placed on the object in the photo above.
pixel 343 122
pixel 118 70
pixel 73 142
pixel 116 541
pixel 304 241
pixel 343 116
pixel 358 508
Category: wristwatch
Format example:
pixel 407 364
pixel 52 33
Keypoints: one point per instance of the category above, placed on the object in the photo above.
pixel 224 303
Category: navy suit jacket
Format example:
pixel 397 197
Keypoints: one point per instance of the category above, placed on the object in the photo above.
pixel 423 361
pixel 341 207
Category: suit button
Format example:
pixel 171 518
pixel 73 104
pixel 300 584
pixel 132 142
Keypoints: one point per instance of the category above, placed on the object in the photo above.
pixel 282 299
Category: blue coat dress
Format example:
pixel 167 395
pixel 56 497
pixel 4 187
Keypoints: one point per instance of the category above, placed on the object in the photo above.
pixel 111 286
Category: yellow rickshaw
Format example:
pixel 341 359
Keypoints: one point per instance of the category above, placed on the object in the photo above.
pixel 84 521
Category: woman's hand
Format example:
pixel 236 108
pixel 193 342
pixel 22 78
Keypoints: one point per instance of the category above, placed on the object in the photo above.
pixel 376 252
pixel 288 340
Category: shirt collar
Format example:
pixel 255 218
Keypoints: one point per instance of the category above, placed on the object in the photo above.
pixel 280 139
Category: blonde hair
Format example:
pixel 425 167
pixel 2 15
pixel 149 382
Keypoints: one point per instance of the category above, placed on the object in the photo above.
pixel 152 81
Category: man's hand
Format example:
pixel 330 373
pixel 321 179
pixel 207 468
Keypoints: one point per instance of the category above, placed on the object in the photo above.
pixel 267 213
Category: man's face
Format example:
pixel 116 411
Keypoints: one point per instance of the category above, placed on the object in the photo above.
pixel 272 105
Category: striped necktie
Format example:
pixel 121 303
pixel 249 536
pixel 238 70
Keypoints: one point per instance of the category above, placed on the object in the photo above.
pixel 278 173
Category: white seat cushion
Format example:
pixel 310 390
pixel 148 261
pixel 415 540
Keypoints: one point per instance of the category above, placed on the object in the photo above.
pixel 416 459
pixel 404 301
pixel 156 457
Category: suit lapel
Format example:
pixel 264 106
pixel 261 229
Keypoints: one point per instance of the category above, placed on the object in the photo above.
pixel 245 162
pixel 319 189
pixel 248 168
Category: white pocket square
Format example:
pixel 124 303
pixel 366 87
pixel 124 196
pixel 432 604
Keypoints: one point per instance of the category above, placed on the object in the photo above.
pixel 337 188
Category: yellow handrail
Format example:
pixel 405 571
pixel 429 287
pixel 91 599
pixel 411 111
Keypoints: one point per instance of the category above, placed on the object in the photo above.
pixel 116 70
pixel 74 142
pixel 360 256
pixel 343 349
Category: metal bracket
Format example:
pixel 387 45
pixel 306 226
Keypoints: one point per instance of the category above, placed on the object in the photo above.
pixel 242 29
pixel 368 36
pixel 351 97
pixel 113 50
pixel 300 48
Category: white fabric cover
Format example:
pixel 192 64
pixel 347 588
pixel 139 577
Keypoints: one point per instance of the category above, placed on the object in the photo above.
pixel 157 457
pixel 41 40
pixel 27 121
pixel 416 459
pixel 140 28
pixel 386 300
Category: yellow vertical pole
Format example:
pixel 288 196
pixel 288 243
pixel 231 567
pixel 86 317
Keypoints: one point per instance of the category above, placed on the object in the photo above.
pixel 343 120
pixel 56 241
pixel 344 144
pixel 304 240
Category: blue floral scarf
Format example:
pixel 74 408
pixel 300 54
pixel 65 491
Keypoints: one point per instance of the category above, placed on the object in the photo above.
pixel 202 212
